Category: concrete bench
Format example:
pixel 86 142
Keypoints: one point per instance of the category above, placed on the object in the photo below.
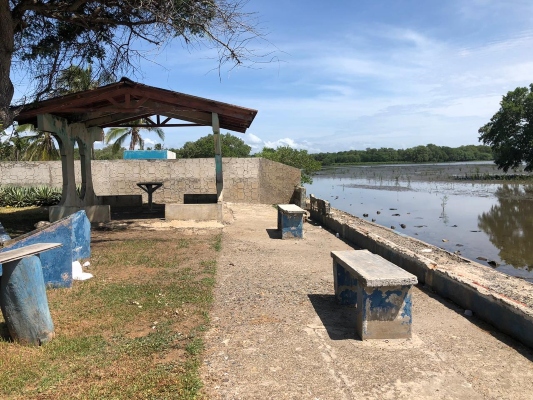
pixel 290 221
pixel 73 231
pixel 380 290
pixel 23 294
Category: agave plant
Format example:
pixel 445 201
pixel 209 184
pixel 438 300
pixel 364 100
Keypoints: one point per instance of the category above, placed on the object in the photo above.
pixel 19 196
pixel 13 196
pixel 46 196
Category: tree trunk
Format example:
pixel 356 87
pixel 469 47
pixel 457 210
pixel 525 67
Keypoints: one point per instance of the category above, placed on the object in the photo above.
pixel 6 54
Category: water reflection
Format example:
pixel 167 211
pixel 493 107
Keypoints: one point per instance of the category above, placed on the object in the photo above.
pixel 483 222
pixel 509 225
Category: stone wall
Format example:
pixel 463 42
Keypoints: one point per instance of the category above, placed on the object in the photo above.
pixel 246 180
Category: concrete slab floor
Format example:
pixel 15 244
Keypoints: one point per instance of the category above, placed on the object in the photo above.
pixel 277 332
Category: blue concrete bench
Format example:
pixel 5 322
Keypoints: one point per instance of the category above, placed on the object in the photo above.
pixel 23 294
pixel 73 231
pixel 380 290
pixel 290 221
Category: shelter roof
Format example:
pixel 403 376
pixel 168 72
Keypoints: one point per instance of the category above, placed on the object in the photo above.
pixel 124 102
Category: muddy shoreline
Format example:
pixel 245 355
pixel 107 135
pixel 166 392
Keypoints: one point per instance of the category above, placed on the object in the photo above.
pixel 397 177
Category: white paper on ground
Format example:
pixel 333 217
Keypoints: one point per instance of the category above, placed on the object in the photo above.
pixel 77 272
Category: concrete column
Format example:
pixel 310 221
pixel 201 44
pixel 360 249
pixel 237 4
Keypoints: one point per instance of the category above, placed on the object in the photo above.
pixel 85 139
pixel 67 136
pixel 218 157
pixel 59 128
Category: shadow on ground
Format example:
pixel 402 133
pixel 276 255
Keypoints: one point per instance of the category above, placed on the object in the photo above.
pixel 125 213
pixel 20 221
pixel 274 233
pixel 338 320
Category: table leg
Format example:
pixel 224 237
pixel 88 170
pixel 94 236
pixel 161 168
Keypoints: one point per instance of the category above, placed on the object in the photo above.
pixel 150 199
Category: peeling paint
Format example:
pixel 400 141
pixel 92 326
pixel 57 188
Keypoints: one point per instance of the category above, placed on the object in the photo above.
pixel 382 312
pixel 290 222
pixel 73 232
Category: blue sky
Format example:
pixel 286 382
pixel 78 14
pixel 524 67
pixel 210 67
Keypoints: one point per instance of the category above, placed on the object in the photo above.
pixel 358 74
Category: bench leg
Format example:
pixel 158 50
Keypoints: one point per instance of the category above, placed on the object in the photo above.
pixel 291 226
pixel 345 285
pixel 384 312
pixel 24 302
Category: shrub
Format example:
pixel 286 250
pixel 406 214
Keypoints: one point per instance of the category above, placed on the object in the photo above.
pixel 21 196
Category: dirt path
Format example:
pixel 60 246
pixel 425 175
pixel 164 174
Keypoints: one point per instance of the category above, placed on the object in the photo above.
pixel 277 333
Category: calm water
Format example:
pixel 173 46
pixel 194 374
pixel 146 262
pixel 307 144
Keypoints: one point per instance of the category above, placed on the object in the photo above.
pixel 492 221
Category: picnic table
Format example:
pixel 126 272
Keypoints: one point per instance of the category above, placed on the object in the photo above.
pixel 150 187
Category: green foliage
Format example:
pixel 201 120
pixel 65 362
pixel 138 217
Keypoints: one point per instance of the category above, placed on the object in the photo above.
pixel 418 154
pixel 77 79
pixel 19 196
pixel 107 153
pixel 510 130
pixel 44 38
pixel 295 158
pixel 232 146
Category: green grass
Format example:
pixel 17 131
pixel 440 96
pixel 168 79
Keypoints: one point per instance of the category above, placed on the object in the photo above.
pixel 217 245
pixel 135 331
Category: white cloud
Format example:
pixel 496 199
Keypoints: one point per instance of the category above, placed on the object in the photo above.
pixel 250 138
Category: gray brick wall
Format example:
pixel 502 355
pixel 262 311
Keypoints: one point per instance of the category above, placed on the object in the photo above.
pixel 246 180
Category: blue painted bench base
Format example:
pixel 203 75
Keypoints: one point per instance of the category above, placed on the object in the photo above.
pixel 382 300
pixel 23 295
pixel 291 221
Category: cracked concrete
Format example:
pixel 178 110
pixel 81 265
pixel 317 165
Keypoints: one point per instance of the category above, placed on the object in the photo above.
pixel 277 333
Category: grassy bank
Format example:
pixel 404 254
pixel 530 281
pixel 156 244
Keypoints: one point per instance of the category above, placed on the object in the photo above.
pixel 134 331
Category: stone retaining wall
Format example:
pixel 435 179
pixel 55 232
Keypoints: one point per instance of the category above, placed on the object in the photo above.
pixel 246 180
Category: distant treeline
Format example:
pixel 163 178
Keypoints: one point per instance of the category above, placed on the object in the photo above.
pixel 418 154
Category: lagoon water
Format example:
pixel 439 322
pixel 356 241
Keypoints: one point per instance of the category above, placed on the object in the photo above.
pixel 484 222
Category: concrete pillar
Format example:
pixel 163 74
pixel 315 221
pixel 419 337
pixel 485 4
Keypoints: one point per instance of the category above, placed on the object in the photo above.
pixel 67 136
pixel 85 139
pixel 59 128
pixel 218 157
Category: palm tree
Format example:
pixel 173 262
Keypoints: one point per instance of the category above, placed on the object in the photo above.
pixel 120 134
pixel 41 146
pixel 77 79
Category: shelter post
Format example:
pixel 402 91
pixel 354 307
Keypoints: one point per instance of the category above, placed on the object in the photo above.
pixel 68 135
pixel 218 157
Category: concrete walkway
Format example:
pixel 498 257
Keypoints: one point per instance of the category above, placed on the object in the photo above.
pixel 277 333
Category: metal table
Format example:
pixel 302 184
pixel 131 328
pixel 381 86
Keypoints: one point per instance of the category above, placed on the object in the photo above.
pixel 150 187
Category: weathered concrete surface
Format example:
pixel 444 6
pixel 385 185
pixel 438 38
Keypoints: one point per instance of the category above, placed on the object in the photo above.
pixel 249 180
pixel 99 213
pixel 373 270
pixel 502 300
pixel 24 302
pixel 193 212
pixel 277 332
pixel 380 290
pixel 291 221
pixel 73 232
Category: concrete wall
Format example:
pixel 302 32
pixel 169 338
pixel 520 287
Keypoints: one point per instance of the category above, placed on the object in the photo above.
pixel 246 180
